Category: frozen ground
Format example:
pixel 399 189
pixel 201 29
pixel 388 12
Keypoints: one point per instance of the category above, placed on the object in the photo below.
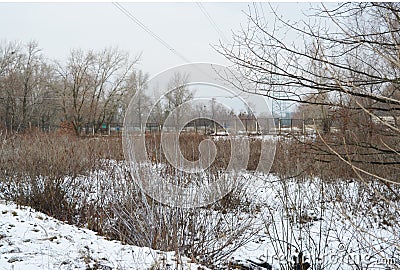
pixel 336 225
pixel 30 240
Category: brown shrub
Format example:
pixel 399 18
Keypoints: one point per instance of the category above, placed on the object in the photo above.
pixel 34 165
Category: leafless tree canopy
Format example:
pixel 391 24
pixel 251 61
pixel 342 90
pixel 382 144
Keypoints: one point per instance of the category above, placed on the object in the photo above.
pixel 89 89
pixel 94 86
pixel 25 79
pixel 342 66
pixel 357 56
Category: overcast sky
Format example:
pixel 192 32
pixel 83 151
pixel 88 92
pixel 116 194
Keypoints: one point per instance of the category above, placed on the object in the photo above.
pixel 60 27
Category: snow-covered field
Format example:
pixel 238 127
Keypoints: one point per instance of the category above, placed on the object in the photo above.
pixel 308 223
pixel 338 225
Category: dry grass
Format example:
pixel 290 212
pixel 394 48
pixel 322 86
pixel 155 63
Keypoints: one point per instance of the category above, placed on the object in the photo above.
pixel 47 171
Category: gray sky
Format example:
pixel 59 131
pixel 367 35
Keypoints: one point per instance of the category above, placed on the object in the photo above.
pixel 60 27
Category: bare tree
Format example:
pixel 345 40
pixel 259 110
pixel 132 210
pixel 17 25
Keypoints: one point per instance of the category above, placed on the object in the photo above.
pixel 22 71
pixel 46 111
pixel 8 64
pixel 31 64
pixel 178 95
pixel 137 86
pixel 344 62
pixel 94 84
pixel 347 69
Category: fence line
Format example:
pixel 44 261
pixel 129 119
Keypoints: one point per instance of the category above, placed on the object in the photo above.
pixel 221 127
pixel 206 126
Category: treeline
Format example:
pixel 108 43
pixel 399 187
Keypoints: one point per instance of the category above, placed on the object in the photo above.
pixel 91 88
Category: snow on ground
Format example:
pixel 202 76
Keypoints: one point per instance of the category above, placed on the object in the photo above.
pixel 32 240
pixel 338 225
pixel 331 235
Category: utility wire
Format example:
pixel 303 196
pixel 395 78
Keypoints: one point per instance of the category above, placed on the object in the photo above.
pixel 158 38
pixel 149 31
pixel 212 22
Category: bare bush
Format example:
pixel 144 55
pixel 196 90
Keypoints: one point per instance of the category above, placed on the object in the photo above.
pixel 34 167
pixel 207 235
pixel 83 181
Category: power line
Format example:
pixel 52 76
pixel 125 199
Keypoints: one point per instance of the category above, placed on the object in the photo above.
pixel 149 31
pixel 212 22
